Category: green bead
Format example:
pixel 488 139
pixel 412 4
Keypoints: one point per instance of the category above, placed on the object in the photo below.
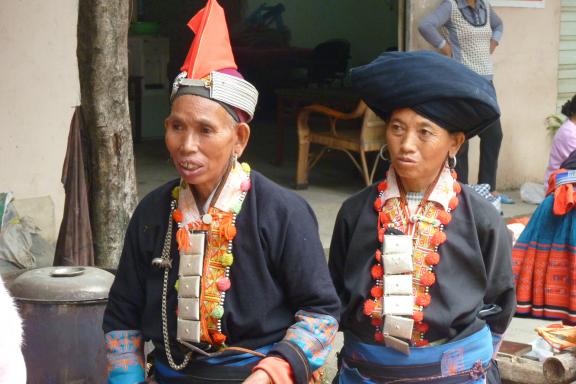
pixel 236 207
pixel 218 312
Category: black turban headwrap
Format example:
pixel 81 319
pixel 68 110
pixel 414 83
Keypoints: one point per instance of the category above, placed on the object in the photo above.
pixel 435 86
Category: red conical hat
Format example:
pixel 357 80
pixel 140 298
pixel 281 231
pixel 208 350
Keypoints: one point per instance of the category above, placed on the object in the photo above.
pixel 211 49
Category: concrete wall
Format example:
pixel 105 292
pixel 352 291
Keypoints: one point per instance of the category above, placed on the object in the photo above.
pixel 369 25
pixel 526 65
pixel 39 88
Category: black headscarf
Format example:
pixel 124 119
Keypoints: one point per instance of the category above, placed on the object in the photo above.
pixel 435 86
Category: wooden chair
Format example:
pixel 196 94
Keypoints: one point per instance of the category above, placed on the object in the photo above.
pixel 369 136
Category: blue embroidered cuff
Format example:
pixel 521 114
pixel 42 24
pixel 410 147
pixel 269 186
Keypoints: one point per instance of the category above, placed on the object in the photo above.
pixel 124 351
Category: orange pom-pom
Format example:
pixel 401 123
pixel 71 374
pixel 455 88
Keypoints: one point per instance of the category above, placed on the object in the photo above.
pixel 418 316
pixel 229 231
pixel 377 291
pixel 422 327
pixel 381 235
pixel 177 215
pixel 454 174
pixel 432 258
pixel 379 337
pixel 457 187
pixel 444 217
pixel 382 218
pixel 382 186
pixel 378 205
pixel 423 300
pixel 428 279
pixel 369 307
pixel 438 238
pixel 378 255
pixel 377 271
pixel 453 203
pixel 421 343
pixel 183 239
pixel 218 338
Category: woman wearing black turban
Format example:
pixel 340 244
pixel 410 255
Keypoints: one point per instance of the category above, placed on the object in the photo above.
pixel 422 264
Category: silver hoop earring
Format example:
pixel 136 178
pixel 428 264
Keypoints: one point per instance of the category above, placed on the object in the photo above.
pixel 381 152
pixel 452 162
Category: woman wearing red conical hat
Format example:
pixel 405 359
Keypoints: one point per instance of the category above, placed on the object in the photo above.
pixel 222 270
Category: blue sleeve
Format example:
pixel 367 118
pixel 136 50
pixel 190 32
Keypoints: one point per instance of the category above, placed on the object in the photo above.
pixel 497 25
pixel 429 25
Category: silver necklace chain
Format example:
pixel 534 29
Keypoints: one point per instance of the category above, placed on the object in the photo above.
pixel 166 257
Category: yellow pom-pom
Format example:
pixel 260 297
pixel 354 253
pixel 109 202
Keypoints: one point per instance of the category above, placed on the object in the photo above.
pixel 177 285
pixel 227 259
pixel 246 167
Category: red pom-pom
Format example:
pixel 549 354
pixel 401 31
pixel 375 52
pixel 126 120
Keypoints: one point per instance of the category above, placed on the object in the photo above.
pixel 382 186
pixel 381 235
pixel 418 316
pixel 423 300
pixel 369 307
pixel 438 238
pixel 422 327
pixel 218 338
pixel 378 255
pixel 376 322
pixel 444 217
pixel 421 343
pixel 457 187
pixel 428 279
pixel 377 271
pixel 379 337
pixel 378 205
pixel 432 258
pixel 177 215
pixel 377 291
pixel 453 203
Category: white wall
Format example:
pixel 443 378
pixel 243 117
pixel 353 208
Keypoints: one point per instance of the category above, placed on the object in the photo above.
pixel 39 87
pixel 526 70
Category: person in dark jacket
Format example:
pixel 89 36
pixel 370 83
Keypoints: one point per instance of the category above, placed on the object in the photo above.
pixel 222 270
pixel 422 263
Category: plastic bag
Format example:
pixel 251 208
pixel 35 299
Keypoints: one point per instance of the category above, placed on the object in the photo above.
pixel 532 193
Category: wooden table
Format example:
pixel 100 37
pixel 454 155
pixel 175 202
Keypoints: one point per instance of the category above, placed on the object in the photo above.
pixel 290 100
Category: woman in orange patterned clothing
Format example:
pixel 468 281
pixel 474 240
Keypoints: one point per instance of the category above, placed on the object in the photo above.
pixel 422 263
pixel 544 257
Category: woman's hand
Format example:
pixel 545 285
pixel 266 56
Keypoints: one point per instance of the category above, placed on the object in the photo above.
pixel 446 50
pixel 493 45
pixel 258 377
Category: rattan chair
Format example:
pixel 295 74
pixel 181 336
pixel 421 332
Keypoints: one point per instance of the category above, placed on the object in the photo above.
pixel 369 135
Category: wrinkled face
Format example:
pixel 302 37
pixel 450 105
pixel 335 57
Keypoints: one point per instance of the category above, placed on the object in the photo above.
pixel 418 148
pixel 202 138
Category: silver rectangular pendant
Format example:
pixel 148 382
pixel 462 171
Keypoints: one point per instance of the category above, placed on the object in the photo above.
pixel 397 326
pixel 398 284
pixel 197 243
pixel 398 305
pixel 187 330
pixel 397 254
pixel 397 344
pixel 189 309
pixel 191 265
pixel 189 286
